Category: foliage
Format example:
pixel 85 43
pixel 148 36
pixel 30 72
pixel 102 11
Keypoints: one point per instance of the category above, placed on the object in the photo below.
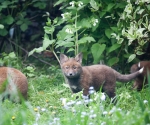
pixel 13 14
pixel 134 27
pixel 86 28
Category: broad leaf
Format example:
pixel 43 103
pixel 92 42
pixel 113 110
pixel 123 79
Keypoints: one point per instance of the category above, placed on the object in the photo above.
pixel 94 5
pixel 113 61
pixel 131 57
pixel 38 50
pixel 108 33
pixel 23 27
pixel 97 50
pixel 113 47
pixel 47 42
pixel 86 39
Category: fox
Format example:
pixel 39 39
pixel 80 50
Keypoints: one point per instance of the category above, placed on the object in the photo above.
pixel 13 84
pixel 141 80
pixel 97 76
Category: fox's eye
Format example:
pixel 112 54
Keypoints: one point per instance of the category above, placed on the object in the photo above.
pixel 67 67
pixel 74 67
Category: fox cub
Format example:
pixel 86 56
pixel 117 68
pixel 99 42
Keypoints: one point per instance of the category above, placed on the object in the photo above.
pixel 141 80
pixel 13 83
pixel 81 78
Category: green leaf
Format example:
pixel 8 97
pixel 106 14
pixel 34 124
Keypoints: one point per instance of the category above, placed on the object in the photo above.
pixel 110 6
pixel 108 33
pixel 139 53
pixel 131 57
pixel 3 32
pixel 24 26
pixel 9 20
pixel 64 44
pixel 113 61
pixel 1 26
pixel 47 42
pixel 49 30
pixel 40 5
pixel 94 5
pixel 86 39
pixel 38 50
pixel 97 50
pixel 113 47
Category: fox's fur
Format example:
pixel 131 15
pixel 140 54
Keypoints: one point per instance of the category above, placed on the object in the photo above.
pixel 141 80
pixel 13 83
pixel 81 78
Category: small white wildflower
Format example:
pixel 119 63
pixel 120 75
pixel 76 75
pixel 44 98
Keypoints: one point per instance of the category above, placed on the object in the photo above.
pixel 96 20
pixel 70 103
pixel 103 123
pixel 72 3
pixel 94 24
pixel 78 102
pixel 63 101
pixel 145 101
pixel 93 116
pixel 80 4
pixel 85 96
pixel 69 31
pixel 103 97
pixel 63 16
pixel 37 116
pixel 91 90
pixel 105 113
pixel 83 114
pixel 43 109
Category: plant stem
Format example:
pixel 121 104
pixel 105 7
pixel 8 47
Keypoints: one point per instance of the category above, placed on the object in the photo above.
pixel 76 37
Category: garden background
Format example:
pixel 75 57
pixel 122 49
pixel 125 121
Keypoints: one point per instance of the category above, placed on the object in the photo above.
pixel 112 32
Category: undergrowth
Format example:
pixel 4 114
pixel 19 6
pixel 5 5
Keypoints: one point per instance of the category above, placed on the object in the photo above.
pixel 51 102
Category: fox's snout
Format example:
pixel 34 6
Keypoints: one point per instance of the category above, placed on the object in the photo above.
pixel 70 74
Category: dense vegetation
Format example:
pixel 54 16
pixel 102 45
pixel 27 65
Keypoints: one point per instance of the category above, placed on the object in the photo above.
pixel 113 32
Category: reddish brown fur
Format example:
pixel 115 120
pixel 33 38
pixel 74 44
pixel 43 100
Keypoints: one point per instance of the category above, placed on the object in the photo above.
pixel 139 81
pixel 14 78
pixel 97 76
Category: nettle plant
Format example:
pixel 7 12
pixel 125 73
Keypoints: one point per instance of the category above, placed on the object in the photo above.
pixel 73 36
pixel 134 28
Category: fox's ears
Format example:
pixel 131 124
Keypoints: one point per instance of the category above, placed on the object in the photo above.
pixel 64 58
pixel 78 58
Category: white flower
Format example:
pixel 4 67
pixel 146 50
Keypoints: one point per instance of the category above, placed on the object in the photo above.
pixel 105 113
pixel 69 31
pixel 43 109
pixel 72 3
pixel 80 4
pixel 145 101
pixel 103 97
pixel 95 21
pixel 65 15
pixel 91 90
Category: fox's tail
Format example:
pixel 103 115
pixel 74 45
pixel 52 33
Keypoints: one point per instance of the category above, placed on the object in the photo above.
pixel 128 77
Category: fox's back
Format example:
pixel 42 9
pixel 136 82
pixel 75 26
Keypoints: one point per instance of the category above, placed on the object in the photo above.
pixel 98 74
pixel 15 77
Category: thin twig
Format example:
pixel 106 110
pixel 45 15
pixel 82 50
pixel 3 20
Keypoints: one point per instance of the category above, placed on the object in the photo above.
pixel 28 53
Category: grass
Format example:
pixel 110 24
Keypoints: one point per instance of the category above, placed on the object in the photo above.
pixel 50 102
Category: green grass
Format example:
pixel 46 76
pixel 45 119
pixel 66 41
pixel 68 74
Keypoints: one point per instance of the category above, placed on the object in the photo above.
pixel 50 102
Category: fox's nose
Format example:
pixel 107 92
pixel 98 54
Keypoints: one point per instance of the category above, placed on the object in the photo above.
pixel 70 74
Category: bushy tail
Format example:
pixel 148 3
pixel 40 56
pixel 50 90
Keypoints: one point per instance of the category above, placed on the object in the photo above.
pixel 128 77
pixel 135 67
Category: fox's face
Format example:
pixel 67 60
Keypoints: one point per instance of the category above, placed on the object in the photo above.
pixel 71 67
